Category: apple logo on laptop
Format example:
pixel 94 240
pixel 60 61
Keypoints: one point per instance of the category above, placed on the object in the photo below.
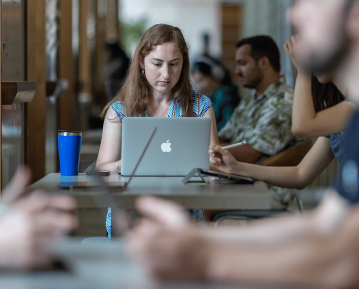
pixel 166 147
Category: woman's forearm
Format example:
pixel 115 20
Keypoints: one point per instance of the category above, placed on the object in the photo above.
pixel 285 177
pixel 298 177
pixel 303 108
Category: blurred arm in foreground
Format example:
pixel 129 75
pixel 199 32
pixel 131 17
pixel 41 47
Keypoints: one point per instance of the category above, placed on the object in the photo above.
pixel 321 249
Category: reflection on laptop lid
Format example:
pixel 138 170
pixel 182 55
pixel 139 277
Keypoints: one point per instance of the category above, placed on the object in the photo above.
pixel 180 145
pixel 107 200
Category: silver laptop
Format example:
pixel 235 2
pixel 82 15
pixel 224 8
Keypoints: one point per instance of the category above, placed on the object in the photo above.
pixel 180 144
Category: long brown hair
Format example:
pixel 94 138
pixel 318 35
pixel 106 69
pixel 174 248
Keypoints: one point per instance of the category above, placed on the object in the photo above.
pixel 135 91
pixel 325 95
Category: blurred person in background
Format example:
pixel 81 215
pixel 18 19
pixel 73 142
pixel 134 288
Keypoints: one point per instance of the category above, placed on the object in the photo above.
pixel 30 223
pixel 115 70
pixel 264 118
pixel 213 80
pixel 316 101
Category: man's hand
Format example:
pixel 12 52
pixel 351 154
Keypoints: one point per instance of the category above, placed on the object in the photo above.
pixel 163 212
pixel 25 236
pixel 169 254
pixel 223 161
pixel 55 209
pixel 165 242
pixel 37 219
pixel 16 188
pixel 23 242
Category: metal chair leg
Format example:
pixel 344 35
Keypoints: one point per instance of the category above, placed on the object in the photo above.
pixel 299 202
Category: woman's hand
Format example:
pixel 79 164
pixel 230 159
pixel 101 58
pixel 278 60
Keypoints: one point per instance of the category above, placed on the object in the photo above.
pixel 290 47
pixel 223 160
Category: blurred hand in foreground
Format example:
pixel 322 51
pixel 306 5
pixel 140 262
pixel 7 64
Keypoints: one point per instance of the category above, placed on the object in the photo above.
pixel 35 219
pixel 165 242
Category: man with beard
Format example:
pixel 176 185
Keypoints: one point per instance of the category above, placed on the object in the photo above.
pixel 263 119
pixel 321 249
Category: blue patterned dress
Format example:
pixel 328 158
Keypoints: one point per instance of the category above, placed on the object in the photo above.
pixel 201 104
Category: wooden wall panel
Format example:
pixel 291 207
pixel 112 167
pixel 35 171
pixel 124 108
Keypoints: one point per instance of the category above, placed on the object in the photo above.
pixel 231 30
pixel 66 69
pixel 102 31
pixel 84 51
pixel 36 71
pixel 112 22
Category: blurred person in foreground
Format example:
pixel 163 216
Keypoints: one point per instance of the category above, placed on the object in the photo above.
pixel 321 249
pixel 30 222
pixel 338 51
pixel 213 80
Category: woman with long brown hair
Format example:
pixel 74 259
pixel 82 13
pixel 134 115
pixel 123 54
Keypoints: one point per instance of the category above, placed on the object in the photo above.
pixel 320 106
pixel 157 85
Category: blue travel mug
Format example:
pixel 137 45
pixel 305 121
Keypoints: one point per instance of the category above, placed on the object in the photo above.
pixel 69 145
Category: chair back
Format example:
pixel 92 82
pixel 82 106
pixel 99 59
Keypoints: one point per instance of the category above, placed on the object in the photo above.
pixel 290 157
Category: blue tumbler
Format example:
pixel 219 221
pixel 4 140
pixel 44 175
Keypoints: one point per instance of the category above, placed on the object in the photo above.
pixel 69 145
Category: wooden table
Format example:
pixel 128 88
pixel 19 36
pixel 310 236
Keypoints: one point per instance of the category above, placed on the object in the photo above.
pixel 221 195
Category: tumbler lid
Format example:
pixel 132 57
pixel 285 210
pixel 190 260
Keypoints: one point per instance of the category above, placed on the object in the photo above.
pixel 69 133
